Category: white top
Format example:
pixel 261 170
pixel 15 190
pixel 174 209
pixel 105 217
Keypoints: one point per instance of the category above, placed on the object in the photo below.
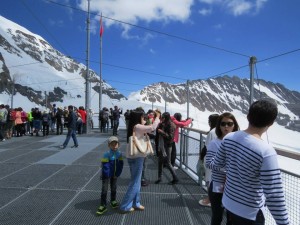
pixel 210 136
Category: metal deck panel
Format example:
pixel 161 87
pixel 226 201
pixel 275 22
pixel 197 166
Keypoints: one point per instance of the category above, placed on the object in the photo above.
pixel 9 168
pixel 72 177
pixel 37 207
pixel 30 176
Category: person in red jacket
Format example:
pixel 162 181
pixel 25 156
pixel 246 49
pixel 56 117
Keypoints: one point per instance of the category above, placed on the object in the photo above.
pixel 176 119
pixel 82 112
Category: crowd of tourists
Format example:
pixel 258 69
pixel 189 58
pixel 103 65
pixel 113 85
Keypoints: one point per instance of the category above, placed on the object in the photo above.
pixel 16 122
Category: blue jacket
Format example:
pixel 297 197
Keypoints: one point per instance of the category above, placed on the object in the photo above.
pixel 112 164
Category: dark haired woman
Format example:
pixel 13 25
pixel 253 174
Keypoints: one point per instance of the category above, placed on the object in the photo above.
pixel 212 122
pixel 165 132
pixel 225 125
pixel 131 200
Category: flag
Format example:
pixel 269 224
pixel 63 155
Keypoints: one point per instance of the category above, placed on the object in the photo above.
pixel 101 27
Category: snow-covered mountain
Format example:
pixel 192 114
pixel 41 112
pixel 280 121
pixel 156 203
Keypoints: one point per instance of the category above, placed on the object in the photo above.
pixel 31 67
pixel 224 94
pixel 38 74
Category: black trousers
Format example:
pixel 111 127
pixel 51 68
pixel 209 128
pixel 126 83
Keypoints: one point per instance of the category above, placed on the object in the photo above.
pixel 216 207
pixel 237 220
pixel 165 160
pixel 173 154
pixel 113 190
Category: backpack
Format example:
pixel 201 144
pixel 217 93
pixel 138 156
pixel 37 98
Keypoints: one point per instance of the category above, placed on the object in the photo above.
pixel 104 116
pixel 45 118
pixel 12 115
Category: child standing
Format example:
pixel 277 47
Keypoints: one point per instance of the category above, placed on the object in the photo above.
pixel 112 166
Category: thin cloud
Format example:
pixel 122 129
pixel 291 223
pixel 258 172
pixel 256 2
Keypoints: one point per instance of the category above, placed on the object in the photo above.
pixel 56 23
pixel 151 50
pixel 205 12
pixel 218 26
pixel 237 7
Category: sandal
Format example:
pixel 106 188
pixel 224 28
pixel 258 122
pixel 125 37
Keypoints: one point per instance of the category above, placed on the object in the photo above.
pixel 205 202
pixel 140 208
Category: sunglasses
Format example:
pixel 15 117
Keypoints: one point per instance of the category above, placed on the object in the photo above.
pixel 229 124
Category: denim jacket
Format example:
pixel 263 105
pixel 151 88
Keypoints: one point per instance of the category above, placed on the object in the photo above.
pixel 112 164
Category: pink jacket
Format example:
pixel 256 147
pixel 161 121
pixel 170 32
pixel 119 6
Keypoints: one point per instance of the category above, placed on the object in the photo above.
pixel 18 119
pixel 182 123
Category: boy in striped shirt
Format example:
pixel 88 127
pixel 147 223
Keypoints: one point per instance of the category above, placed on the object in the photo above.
pixel 253 179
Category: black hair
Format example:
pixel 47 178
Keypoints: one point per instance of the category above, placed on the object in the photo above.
pixel 166 116
pixel 178 116
pixel 262 113
pixel 134 119
pixel 218 126
pixel 213 119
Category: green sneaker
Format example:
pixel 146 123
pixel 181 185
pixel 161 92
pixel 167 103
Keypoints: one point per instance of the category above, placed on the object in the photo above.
pixel 114 204
pixel 101 210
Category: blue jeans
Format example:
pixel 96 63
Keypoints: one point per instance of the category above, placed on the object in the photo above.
pixel 132 196
pixel 115 127
pixel 71 133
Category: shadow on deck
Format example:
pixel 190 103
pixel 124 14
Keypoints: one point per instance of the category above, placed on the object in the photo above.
pixel 42 184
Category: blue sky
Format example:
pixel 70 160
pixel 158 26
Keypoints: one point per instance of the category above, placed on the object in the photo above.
pixel 194 39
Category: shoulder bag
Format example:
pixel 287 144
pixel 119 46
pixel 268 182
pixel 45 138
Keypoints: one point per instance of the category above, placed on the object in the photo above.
pixel 139 147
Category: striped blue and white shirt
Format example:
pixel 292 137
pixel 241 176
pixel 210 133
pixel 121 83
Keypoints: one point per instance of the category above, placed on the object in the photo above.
pixel 218 176
pixel 253 177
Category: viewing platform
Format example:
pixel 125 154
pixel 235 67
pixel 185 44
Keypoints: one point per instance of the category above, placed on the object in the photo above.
pixel 43 184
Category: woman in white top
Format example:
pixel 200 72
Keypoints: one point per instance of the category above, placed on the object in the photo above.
pixel 212 121
pixel 131 200
pixel 225 125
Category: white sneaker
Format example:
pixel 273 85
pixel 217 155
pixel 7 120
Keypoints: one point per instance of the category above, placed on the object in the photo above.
pixel 3 139
pixel 175 167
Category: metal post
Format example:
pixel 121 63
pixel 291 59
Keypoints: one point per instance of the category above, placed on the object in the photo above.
pixel 46 99
pixel 87 77
pixel 12 95
pixel 165 101
pixel 100 89
pixel 251 64
pixel 188 98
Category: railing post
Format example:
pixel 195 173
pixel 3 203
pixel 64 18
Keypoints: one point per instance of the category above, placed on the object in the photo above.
pixel 181 148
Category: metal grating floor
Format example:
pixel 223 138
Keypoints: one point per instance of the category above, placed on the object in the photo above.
pixel 42 184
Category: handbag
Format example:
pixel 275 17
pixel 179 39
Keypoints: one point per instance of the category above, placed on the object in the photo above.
pixel 139 147
pixel 161 147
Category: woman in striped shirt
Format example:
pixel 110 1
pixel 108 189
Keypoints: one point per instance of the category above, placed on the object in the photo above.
pixel 225 125
pixel 253 179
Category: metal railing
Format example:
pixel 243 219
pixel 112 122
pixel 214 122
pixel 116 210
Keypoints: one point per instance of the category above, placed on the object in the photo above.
pixel 190 144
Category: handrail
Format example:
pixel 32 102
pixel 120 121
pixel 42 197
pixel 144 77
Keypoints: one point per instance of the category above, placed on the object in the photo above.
pixel 190 148
pixel 280 151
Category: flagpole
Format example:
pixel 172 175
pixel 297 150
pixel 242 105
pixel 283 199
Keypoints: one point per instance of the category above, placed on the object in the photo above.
pixel 87 77
pixel 100 88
